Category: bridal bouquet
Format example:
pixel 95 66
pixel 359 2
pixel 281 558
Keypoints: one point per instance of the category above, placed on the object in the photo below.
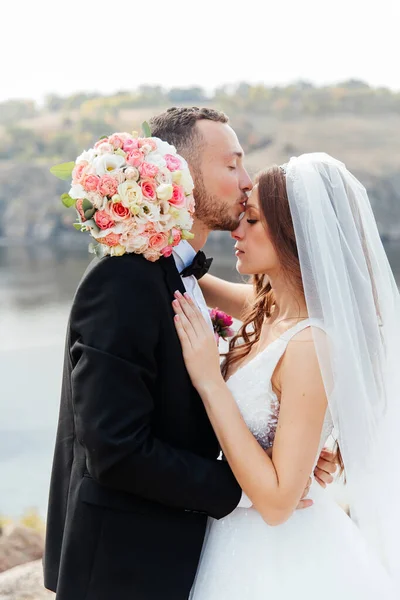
pixel 132 194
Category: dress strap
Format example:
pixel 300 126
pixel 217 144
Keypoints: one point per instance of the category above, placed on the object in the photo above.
pixel 292 331
pixel 274 352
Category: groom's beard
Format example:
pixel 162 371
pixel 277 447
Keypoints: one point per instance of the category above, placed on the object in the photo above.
pixel 212 211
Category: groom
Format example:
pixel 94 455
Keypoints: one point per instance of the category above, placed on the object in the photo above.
pixel 135 472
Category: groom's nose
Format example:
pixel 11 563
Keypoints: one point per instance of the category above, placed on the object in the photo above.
pixel 246 183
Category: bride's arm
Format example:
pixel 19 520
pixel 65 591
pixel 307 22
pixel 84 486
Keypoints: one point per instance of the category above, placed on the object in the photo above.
pixel 275 485
pixel 232 298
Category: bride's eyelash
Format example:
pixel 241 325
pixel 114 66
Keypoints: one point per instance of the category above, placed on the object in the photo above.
pixel 251 221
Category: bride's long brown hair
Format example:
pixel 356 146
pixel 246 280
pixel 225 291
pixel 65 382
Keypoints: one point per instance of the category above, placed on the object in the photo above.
pixel 275 213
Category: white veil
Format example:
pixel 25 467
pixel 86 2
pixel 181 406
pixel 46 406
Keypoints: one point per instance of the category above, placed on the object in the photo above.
pixel 349 286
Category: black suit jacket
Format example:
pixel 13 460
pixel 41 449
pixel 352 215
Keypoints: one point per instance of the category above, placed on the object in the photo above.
pixel 135 471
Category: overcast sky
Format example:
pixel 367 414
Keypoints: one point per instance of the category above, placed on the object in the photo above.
pixel 53 47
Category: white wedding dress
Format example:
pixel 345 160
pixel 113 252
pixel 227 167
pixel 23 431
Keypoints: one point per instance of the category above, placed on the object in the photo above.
pixel 318 554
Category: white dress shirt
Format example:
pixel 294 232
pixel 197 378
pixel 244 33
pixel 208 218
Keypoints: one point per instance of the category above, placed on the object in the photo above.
pixel 183 255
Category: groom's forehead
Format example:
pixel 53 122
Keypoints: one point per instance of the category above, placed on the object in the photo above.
pixel 220 137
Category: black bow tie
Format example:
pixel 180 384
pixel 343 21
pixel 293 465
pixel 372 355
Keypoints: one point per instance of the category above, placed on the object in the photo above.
pixel 199 266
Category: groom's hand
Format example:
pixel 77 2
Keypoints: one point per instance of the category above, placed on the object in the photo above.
pixel 326 468
pixel 304 502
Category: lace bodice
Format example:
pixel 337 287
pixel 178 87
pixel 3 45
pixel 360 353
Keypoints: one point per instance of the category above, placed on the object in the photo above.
pixel 251 386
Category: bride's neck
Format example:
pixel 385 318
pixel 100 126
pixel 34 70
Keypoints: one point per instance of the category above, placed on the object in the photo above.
pixel 289 303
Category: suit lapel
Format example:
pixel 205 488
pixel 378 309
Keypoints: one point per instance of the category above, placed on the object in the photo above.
pixel 172 277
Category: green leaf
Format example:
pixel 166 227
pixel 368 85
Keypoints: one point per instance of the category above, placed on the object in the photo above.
pixel 67 200
pixel 86 205
pixel 92 226
pixel 103 137
pixel 78 226
pixel 89 213
pixel 187 235
pixel 63 171
pixel 99 250
pixel 146 129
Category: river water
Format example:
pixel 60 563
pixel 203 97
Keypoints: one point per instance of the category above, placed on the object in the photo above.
pixel 37 284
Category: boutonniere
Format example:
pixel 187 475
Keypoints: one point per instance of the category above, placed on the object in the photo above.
pixel 221 324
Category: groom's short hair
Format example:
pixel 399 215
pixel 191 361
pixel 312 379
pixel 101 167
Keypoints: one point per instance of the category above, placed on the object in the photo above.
pixel 177 126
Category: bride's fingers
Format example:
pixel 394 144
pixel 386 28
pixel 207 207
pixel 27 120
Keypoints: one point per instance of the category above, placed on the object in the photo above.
pixel 198 313
pixel 188 307
pixel 184 338
pixel 186 324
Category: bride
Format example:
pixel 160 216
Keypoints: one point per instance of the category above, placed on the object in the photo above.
pixel 316 355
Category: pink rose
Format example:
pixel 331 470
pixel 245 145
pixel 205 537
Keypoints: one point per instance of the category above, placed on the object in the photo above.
pixel 108 185
pixel 227 320
pixel 176 236
pixel 130 144
pixel 116 141
pixel 158 241
pixel 167 251
pixel 151 255
pixel 147 142
pixel 112 239
pixel 148 170
pixel 91 182
pixel 103 220
pixel 103 141
pixel 134 158
pixel 148 189
pixel 118 211
pixel 173 163
pixel 78 206
pixel 149 229
pixel 178 196
pixel 79 172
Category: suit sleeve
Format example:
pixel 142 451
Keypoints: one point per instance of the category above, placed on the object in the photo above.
pixel 115 324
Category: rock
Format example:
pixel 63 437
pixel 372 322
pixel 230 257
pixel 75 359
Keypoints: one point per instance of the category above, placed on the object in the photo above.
pixel 19 545
pixel 24 582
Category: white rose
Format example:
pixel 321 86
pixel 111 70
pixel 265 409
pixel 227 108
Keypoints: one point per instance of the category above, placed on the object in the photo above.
pixel 146 148
pixel 117 250
pixel 164 191
pixel 184 164
pixel 87 155
pixel 155 158
pixel 119 175
pixel 176 177
pixel 105 164
pixel 130 193
pixel 97 200
pixel 77 192
pixel 105 148
pixel 187 181
pixel 164 176
pixel 133 242
pixel 148 212
pixel 164 147
pixel 132 173
pixel 183 220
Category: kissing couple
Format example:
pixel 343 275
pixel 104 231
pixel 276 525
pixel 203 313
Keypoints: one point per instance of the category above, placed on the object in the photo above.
pixel 142 503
